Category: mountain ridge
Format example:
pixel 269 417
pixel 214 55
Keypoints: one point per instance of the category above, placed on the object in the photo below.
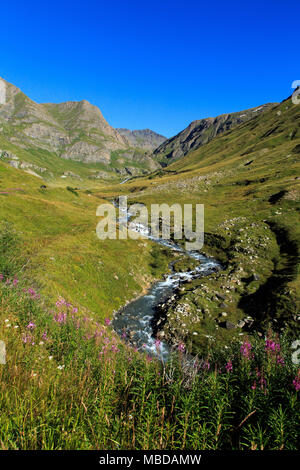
pixel 72 130
pixel 202 131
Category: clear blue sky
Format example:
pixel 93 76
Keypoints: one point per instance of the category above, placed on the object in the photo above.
pixel 157 64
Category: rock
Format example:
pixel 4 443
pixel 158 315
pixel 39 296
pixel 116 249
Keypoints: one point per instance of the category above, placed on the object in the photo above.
pixel 221 296
pixel 228 325
pixel 223 305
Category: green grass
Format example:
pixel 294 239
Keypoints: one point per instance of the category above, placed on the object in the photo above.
pixel 252 231
pixel 69 383
pixel 79 386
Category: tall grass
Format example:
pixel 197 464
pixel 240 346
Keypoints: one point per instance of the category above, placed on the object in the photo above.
pixel 70 383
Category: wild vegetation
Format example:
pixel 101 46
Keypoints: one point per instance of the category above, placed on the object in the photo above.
pixel 71 383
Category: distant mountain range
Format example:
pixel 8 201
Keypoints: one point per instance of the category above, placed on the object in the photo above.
pixel 75 131
pixel 202 131
pixel 40 137
pixel 144 138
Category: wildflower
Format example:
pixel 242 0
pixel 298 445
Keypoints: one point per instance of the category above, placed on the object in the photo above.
pixel 44 336
pixel 296 381
pixel 61 367
pixel 280 360
pixel 16 326
pixel 15 282
pixel 31 325
pixel 206 365
pixel 254 385
pixel 27 339
pixel 6 320
pixel 157 343
pixel 8 325
pixel 245 349
pixel 271 346
pixel 181 347
pixel 75 310
pixel 41 343
pixel 1 277
pixel 60 317
pixel 229 367
pixel 107 321
pixel 50 358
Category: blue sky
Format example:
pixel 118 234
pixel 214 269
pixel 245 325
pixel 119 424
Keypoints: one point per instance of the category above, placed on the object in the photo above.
pixel 156 64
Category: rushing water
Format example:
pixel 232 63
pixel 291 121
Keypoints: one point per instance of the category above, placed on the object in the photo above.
pixel 133 322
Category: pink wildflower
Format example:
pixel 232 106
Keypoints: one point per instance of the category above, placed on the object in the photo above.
pixel 296 381
pixel 246 349
pixel 107 321
pixel 31 325
pixel 229 367
pixel 181 347
pixel 271 346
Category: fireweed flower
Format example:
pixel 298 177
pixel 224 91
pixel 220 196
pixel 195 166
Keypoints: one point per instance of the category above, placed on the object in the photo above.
pixel 296 381
pixel 229 367
pixel 246 349
pixel 107 321
pixel 271 346
pixel 28 339
pixel 15 282
pixel 181 347
pixel 60 317
pixel 44 336
pixel 206 365
pixel 157 343
pixel 280 360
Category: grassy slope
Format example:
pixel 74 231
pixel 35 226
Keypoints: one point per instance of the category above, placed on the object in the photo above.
pixel 250 232
pixel 80 388
pixel 62 252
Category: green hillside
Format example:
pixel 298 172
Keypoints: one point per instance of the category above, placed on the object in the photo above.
pixel 248 180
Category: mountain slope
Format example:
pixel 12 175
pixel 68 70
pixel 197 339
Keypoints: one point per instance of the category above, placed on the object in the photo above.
pixel 249 182
pixel 202 131
pixel 143 138
pixel 38 134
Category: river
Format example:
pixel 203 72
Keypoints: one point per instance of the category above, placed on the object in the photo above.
pixel 133 322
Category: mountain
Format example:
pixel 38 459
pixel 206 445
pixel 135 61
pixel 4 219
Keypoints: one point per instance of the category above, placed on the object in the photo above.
pixel 202 131
pixel 248 180
pixel 144 138
pixel 73 131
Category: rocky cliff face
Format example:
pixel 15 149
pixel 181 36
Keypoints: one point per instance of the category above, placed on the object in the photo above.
pixel 144 138
pixel 202 131
pixel 72 130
